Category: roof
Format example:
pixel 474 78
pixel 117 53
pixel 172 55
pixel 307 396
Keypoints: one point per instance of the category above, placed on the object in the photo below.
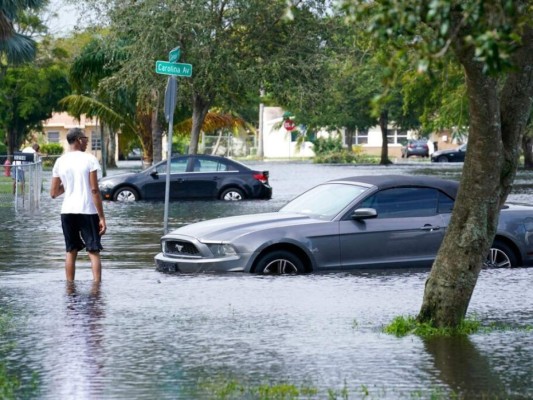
pixel 393 181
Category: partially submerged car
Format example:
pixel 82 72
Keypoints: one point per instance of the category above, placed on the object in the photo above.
pixel 191 177
pixel 450 155
pixel 360 222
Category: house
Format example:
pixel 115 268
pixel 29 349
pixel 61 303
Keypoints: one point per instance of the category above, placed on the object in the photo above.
pixel 55 130
pixel 279 142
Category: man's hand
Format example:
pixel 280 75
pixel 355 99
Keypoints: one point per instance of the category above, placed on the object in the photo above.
pixel 103 226
pixel 56 188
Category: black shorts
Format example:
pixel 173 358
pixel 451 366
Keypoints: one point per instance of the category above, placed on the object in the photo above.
pixel 81 231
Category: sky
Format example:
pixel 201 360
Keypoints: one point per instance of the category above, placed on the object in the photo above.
pixel 66 19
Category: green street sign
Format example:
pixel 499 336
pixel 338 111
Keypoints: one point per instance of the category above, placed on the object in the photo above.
pixel 176 69
pixel 174 55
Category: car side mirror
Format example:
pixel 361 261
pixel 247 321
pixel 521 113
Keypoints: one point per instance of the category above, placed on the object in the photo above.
pixel 364 213
pixel 154 174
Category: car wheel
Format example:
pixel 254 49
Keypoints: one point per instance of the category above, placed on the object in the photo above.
pixel 126 194
pixel 232 194
pixel 279 262
pixel 500 256
pixel 442 159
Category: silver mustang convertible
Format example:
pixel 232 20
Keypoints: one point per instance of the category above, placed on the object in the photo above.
pixel 388 221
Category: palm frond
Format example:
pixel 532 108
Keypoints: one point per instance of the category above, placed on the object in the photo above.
pixel 215 121
pixel 18 48
pixel 79 104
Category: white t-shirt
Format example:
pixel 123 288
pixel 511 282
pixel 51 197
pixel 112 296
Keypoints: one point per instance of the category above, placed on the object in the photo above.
pixel 73 169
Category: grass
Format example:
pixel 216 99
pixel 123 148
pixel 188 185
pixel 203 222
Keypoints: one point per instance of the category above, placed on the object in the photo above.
pixel 229 389
pixel 402 326
pixel 11 385
pixel 6 185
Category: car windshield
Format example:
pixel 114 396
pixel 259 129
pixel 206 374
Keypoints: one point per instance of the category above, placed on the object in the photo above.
pixel 324 201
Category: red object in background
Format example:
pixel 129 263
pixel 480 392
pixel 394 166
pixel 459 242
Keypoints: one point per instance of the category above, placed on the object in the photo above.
pixel 7 168
pixel 289 125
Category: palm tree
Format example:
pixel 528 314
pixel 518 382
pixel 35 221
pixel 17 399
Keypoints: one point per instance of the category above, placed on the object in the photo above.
pixel 14 46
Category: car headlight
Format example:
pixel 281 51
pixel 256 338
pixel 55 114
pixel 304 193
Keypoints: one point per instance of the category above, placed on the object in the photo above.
pixel 221 249
pixel 105 185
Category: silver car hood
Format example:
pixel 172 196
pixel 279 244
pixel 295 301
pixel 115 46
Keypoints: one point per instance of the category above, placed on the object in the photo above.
pixel 229 228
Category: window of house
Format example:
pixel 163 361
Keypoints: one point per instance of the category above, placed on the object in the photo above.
pixel 53 137
pixel 96 141
pixel 361 137
pixel 401 136
pixel 396 136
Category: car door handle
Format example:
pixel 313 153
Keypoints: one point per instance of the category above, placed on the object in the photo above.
pixel 180 180
pixel 429 227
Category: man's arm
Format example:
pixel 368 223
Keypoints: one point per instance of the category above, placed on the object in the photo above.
pixel 56 188
pixel 97 199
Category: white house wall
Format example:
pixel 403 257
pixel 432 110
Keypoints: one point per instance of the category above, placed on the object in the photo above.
pixel 277 142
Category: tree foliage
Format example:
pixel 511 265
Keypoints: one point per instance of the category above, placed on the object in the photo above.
pixel 16 46
pixel 234 46
pixel 28 96
pixel 492 41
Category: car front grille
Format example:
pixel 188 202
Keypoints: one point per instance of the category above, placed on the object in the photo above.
pixel 180 248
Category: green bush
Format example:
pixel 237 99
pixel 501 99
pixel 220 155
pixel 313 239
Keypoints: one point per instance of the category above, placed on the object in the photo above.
pixel 330 151
pixel 346 157
pixel 3 148
pixel 51 149
pixel 327 145
pixel 180 144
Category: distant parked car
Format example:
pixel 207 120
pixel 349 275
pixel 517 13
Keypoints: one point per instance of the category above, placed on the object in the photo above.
pixel 191 177
pixel 135 154
pixel 418 148
pixel 360 222
pixel 450 155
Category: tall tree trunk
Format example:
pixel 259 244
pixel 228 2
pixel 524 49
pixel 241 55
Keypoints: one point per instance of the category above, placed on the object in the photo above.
pixel 497 122
pixel 103 147
pixel 10 141
pixel 349 132
pixel 527 149
pixel 157 131
pixel 199 111
pixel 384 125
pixel 144 130
pixel 112 148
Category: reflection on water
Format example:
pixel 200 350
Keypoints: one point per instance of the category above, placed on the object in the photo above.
pixel 84 342
pixel 464 369
pixel 145 335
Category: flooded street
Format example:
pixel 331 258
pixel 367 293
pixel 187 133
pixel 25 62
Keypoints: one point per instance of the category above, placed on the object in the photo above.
pixel 142 334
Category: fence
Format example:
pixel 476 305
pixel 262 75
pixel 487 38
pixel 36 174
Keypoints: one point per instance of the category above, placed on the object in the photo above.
pixel 228 145
pixel 20 182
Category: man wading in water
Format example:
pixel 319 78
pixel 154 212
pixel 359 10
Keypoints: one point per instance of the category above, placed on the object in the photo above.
pixel 75 174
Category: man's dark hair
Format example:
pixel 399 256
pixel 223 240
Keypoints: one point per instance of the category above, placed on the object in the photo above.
pixel 73 134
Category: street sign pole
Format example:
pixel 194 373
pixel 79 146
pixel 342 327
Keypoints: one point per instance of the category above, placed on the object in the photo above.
pixel 170 94
pixel 172 68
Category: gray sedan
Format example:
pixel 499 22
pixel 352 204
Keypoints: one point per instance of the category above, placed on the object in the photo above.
pixel 352 223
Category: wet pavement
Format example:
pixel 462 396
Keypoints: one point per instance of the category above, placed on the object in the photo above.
pixel 146 335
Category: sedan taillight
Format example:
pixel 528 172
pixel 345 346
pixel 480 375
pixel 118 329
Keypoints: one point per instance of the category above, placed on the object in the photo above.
pixel 261 176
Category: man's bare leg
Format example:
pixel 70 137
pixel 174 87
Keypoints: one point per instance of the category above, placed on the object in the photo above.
pixel 96 265
pixel 70 265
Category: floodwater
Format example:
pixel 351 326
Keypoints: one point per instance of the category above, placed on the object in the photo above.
pixel 142 334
